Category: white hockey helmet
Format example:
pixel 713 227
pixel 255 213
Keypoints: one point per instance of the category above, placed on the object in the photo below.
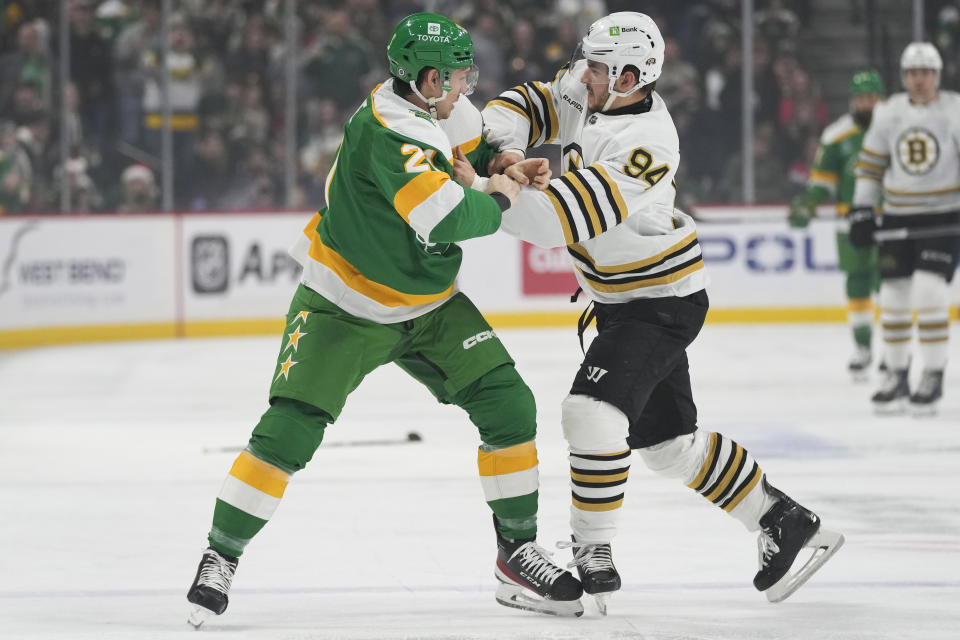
pixel 621 39
pixel 921 55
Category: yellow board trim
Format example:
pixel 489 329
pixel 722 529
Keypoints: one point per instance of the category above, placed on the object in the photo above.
pixel 613 477
pixel 260 475
pixel 706 461
pixel 605 506
pixel 43 336
pixel 498 462
pixel 416 192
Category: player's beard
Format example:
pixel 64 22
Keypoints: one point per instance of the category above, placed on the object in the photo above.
pixel 863 118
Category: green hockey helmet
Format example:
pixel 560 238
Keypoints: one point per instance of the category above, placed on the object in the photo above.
pixel 430 40
pixel 868 81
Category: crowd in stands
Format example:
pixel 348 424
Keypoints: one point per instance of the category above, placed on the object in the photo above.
pixel 226 67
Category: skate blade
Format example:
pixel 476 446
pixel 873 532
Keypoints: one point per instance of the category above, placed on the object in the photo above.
pixel 923 410
pixel 894 408
pixel 515 596
pixel 860 377
pixel 198 615
pixel 824 544
pixel 602 599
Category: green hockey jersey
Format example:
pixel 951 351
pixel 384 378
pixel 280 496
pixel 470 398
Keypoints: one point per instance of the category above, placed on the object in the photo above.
pixel 384 248
pixel 832 175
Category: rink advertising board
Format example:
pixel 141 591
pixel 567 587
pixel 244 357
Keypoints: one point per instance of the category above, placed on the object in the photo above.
pixel 75 278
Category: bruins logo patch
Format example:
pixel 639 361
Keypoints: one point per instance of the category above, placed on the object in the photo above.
pixel 918 151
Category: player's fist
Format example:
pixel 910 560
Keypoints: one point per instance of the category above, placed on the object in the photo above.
pixel 504 185
pixel 532 171
pixel 501 161
pixel 462 169
pixel 863 224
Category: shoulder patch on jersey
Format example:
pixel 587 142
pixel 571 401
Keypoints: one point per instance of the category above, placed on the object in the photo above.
pixel 399 116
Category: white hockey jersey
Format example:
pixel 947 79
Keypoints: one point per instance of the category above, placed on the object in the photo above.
pixel 914 151
pixel 614 206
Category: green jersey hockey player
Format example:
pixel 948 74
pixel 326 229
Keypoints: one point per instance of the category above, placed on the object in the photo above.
pixel 832 178
pixel 378 286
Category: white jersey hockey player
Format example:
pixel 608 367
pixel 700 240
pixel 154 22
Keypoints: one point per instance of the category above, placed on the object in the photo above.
pixel 911 156
pixel 639 262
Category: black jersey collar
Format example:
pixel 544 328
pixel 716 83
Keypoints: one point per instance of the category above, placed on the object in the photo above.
pixel 637 107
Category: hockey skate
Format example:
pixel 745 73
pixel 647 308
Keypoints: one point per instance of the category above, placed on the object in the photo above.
pixel 893 394
pixel 529 580
pixel 924 401
pixel 208 593
pixel 594 563
pixel 785 530
pixel 859 365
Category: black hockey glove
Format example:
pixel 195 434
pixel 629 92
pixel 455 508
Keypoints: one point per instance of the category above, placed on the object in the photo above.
pixel 862 226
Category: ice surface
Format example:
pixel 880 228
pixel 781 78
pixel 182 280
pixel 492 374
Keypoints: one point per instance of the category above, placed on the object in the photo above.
pixel 109 468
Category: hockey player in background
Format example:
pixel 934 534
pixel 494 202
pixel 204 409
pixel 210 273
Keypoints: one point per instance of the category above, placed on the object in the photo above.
pixel 638 260
pixel 911 156
pixel 832 177
pixel 378 286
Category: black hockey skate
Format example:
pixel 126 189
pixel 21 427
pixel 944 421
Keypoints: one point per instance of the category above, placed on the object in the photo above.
pixel 893 394
pixel 785 529
pixel 924 401
pixel 594 563
pixel 529 580
pixel 208 593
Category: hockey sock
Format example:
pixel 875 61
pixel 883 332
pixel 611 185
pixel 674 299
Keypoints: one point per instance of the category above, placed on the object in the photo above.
pixel 930 299
pixel 247 500
pixel 860 318
pixel 717 468
pixel 510 480
pixel 897 321
pixel 597 482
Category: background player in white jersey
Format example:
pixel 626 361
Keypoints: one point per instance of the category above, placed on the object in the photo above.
pixel 639 261
pixel 912 151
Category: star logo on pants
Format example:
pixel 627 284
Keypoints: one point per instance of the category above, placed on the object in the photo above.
pixel 285 367
pixel 294 339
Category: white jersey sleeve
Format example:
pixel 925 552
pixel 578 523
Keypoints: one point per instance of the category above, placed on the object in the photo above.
pixel 524 116
pixel 874 159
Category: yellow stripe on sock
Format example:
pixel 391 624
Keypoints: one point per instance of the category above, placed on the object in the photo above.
pixel 260 475
pixel 519 457
pixel 613 477
pixel 706 461
pixel 746 491
pixel 724 484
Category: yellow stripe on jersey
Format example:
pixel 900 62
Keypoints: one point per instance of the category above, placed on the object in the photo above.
pixel 415 192
pixel 468 146
pixel 602 506
pixel 922 193
pixel 882 156
pixel 351 277
pixel 724 484
pixel 551 114
pixel 614 189
pixel 652 282
pixel 870 166
pixel 630 266
pixel 519 457
pixel 706 461
pixel 535 131
pixel 497 102
pixel 373 107
pixel 561 214
pixel 824 176
pixel 594 216
pixel 260 475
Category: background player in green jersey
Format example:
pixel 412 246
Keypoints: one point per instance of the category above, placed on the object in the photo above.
pixel 379 285
pixel 832 177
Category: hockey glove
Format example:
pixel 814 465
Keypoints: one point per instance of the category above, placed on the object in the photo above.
pixel 863 224
pixel 801 211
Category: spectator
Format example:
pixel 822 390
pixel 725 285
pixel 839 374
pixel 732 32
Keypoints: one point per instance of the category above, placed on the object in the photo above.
pixel 29 64
pixel 337 61
pixel 91 70
pixel 139 190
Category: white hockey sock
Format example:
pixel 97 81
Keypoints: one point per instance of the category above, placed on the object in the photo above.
pixel 931 300
pixel 897 321
pixel 597 483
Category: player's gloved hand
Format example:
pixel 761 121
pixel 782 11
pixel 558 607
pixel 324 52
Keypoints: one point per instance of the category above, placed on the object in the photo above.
pixel 800 213
pixel 863 224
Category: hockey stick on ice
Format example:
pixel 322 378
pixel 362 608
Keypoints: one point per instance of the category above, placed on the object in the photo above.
pixel 412 438
pixel 922 233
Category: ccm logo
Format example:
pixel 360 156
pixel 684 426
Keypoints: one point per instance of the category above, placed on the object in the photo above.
pixel 472 341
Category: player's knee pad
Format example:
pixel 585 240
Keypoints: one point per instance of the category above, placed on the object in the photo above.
pixel 593 425
pixel 895 295
pixel 860 284
pixel 930 290
pixel 288 434
pixel 502 407
pixel 678 457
